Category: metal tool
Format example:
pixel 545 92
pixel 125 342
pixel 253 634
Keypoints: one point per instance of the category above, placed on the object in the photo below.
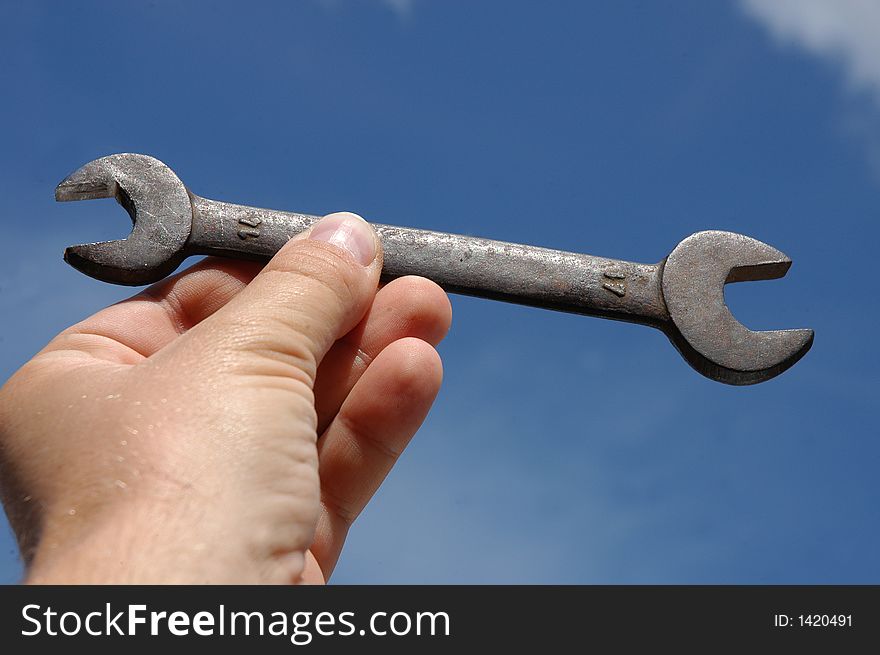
pixel 682 295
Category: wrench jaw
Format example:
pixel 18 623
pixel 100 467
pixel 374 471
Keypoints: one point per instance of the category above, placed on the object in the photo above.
pixel 119 262
pixel 160 209
pixel 796 343
pixel 72 189
pixel 702 328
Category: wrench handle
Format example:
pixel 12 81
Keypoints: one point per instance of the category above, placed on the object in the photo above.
pixel 522 274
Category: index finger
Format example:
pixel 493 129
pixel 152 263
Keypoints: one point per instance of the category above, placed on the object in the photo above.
pixel 139 326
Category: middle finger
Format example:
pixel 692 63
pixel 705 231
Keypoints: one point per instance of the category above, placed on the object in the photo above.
pixel 406 307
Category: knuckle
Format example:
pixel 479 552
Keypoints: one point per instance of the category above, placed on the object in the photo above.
pixel 273 349
pixel 335 505
pixel 312 264
pixel 370 439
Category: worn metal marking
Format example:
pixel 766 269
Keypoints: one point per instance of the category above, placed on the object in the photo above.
pixel 252 222
pixel 617 289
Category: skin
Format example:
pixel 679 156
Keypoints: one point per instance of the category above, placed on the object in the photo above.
pixel 224 426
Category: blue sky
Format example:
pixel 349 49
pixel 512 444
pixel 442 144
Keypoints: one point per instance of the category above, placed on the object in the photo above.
pixel 562 449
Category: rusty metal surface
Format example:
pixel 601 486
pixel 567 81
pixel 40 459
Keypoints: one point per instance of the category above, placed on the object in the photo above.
pixel 682 295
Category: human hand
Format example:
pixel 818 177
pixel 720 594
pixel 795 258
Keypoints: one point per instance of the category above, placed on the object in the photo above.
pixel 173 437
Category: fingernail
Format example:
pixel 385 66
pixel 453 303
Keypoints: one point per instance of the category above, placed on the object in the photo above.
pixel 349 232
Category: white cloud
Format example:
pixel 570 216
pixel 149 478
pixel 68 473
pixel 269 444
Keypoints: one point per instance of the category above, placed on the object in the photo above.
pixel 845 31
pixel 402 7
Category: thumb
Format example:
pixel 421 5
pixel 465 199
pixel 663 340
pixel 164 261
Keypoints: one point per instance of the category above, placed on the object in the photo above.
pixel 312 292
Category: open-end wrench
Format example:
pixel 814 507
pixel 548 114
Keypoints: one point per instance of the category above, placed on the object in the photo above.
pixel 682 295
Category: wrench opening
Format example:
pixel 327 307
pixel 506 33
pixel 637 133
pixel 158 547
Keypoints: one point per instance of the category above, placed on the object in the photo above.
pixel 160 210
pixel 701 325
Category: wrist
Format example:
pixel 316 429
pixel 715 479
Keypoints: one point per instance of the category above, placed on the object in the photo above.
pixel 138 544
